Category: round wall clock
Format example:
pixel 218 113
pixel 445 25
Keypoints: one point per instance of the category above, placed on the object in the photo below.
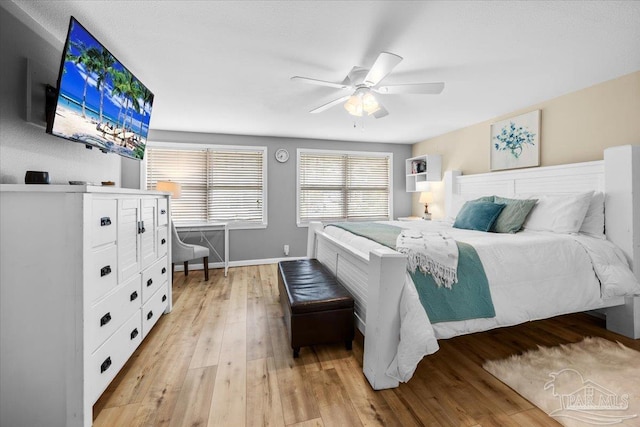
pixel 282 155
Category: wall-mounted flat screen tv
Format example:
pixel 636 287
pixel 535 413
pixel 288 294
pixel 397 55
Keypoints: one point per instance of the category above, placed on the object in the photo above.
pixel 99 102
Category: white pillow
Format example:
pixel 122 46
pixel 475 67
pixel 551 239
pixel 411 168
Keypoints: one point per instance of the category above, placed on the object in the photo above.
pixel 562 213
pixel 593 224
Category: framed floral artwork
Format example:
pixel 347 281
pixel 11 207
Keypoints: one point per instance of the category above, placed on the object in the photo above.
pixel 515 142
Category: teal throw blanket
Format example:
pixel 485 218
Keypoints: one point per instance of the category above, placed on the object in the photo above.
pixel 469 298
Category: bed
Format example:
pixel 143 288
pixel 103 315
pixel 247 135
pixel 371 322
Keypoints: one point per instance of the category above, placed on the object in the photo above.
pixel 397 330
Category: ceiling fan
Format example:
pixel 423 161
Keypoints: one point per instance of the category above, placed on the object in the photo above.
pixel 363 82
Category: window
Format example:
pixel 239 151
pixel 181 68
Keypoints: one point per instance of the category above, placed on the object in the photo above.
pixel 219 183
pixel 339 186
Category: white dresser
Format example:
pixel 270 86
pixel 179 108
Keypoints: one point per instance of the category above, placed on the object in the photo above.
pixel 84 276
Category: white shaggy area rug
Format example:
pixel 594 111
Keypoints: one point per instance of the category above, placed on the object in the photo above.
pixel 593 382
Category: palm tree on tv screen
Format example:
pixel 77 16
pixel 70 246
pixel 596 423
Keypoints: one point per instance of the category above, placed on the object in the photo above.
pixel 126 86
pixel 119 88
pixel 103 66
pixel 133 95
pixel 147 99
pixel 82 58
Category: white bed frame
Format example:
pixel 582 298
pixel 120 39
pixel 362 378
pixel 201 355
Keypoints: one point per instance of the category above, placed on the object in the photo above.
pixel 376 279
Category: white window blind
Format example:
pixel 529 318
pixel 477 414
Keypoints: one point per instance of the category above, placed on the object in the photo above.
pixel 335 186
pixel 217 184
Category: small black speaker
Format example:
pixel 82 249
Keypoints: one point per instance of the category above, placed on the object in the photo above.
pixel 37 177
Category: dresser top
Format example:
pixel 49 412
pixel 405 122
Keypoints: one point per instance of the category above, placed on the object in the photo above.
pixel 55 188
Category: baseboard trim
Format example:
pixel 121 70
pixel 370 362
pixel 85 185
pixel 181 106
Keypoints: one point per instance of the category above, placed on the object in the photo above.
pixel 242 263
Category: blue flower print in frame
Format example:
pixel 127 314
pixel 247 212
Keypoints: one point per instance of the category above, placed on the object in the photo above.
pixel 515 142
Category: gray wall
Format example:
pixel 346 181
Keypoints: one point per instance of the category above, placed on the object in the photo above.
pixel 25 146
pixel 281 191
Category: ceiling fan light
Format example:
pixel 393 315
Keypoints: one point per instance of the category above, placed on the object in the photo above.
pixel 369 103
pixel 354 105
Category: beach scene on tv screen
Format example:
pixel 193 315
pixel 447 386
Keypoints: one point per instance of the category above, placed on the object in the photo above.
pixel 100 103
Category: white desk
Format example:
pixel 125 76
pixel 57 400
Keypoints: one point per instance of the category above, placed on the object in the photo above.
pixel 212 226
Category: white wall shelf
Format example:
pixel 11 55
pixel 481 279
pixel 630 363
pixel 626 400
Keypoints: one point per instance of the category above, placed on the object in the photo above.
pixel 420 170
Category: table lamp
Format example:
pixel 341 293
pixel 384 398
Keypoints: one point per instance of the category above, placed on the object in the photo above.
pixel 426 198
pixel 170 187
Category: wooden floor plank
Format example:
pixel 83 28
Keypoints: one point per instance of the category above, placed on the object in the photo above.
pixel 264 407
pixel 116 416
pixel 258 342
pixel 228 404
pixel 229 396
pixel 371 407
pixel 534 418
pixel 334 403
pixel 316 422
pixel 207 351
pixel 298 403
pixel 194 401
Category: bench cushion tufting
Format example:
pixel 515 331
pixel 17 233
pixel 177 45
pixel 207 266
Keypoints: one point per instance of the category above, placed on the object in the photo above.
pixel 311 287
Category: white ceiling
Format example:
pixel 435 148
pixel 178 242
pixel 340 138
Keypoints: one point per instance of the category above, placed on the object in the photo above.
pixel 224 66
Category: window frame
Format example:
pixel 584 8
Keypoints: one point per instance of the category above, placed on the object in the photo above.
pixel 301 151
pixel 233 225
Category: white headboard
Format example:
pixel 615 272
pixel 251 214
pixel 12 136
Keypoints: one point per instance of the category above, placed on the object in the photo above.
pixel 618 176
pixel 571 178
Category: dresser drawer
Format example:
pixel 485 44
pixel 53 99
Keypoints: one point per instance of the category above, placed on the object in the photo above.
pixel 153 278
pixel 153 309
pixel 103 319
pixel 163 212
pixel 163 242
pixel 109 358
pixel 103 221
pixel 101 272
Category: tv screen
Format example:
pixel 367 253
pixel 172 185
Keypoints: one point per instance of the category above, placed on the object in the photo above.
pixel 99 102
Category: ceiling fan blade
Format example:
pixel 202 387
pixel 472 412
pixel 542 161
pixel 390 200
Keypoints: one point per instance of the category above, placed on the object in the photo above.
pixel 348 78
pixel 321 82
pixel 421 88
pixel 381 112
pixel 381 68
pixel 328 105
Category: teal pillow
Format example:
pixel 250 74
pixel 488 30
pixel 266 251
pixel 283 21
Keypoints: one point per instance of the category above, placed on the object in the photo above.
pixel 513 215
pixel 484 199
pixel 478 215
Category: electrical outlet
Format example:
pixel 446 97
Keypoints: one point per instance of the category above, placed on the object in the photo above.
pixel 286 250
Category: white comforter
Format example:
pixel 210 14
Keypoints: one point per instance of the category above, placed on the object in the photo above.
pixel 532 275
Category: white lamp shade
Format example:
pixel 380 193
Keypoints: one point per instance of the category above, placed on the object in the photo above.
pixel 170 187
pixel 426 197
pixel 354 106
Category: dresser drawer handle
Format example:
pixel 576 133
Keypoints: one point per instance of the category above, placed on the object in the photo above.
pixel 164 298
pixel 105 319
pixel 164 270
pixel 105 365
pixel 134 333
pixel 163 241
pixel 163 211
pixel 105 270
pixel 149 315
pixel 133 296
pixel 149 282
pixel 104 221
pixel 141 228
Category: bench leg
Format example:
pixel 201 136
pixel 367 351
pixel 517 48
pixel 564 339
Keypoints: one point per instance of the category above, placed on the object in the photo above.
pixel 348 345
pixel 296 352
pixel 205 262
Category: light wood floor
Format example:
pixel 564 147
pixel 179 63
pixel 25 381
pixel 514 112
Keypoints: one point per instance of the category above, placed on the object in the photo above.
pixel 222 358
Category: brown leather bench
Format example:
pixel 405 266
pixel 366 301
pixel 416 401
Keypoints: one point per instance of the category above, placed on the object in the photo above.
pixel 317 308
